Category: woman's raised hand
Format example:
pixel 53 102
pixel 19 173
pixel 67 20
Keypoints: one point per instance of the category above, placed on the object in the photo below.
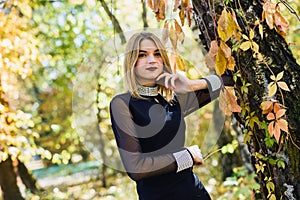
pixel 176 82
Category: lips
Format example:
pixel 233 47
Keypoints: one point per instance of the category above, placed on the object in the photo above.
pixel 151 68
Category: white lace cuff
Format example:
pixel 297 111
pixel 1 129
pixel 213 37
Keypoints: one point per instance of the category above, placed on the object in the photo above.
pixel 183 159
pixel 215 82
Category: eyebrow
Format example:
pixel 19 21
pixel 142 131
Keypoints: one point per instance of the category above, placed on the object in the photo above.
pixel 143 51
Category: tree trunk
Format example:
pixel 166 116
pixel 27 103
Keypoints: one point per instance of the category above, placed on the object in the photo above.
pixel 27 178
pixel 279 57
pixel 228 161
pixel 8 181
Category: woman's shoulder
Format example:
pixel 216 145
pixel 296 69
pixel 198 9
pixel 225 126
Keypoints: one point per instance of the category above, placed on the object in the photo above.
pixel 123 97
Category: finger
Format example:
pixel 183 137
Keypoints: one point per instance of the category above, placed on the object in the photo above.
pixel 163 75
pixel 173 78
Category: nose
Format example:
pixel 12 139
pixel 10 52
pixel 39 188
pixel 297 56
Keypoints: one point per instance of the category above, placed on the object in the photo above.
pixel 151 58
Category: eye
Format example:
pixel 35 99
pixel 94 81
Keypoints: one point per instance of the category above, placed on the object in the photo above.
pixel 157 54
pixel 142 55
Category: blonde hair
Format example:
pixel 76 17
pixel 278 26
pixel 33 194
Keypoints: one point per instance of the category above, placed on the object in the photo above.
pixel 131 57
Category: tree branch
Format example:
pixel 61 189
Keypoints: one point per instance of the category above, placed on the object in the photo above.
pixel 114 21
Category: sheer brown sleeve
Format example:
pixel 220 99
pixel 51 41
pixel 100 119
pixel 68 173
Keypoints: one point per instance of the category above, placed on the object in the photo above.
pixel 192 101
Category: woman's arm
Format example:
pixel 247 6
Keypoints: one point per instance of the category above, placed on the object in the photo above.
pixel 140 165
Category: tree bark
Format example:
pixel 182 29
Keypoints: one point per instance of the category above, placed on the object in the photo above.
pixel 144 14
pixel 279 57
pixel 8 181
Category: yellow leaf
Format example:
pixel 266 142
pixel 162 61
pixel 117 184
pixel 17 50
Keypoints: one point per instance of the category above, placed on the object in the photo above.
pixel 272 88
pixel 221 62
pixel 245 45
pixel 245 37
pixel 283 85
pixel 180 64
pixel 273 77
pixel 261 31
pixel 226 26
pixel 255 47
pixel 251 34
pixel 25 9
pixel 279 76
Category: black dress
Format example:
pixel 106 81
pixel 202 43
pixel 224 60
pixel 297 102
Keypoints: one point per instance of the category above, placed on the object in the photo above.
pixel 148 131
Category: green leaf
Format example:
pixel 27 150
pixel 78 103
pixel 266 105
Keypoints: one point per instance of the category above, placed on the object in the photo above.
pixel 280 164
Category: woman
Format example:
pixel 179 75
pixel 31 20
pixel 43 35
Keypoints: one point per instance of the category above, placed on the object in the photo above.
pixel 148 122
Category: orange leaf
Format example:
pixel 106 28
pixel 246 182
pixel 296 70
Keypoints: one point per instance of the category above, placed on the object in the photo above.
pixel 173 37
pixel 221 62
pixel 179 31
pixel 235 20
pixel 269 8
pixel 165 32
pixel 276 132
pixel 228 101
pixel 231 63
pixel 266 107
pixel 150 4
pixel 276 107
pixel 271 128
pixel 181 16
pixel 280 113
pixel 283 85
pixel 283 125
pixel 210 62
pixel 159 9
pixel 155 4
pixel 176 5
pixel 213 50
pixel 281 23
pixel 226 49
pixel 270 116
pixel 189 12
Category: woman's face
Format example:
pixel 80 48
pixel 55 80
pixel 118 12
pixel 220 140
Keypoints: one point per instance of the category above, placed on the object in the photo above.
pixel 149 64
